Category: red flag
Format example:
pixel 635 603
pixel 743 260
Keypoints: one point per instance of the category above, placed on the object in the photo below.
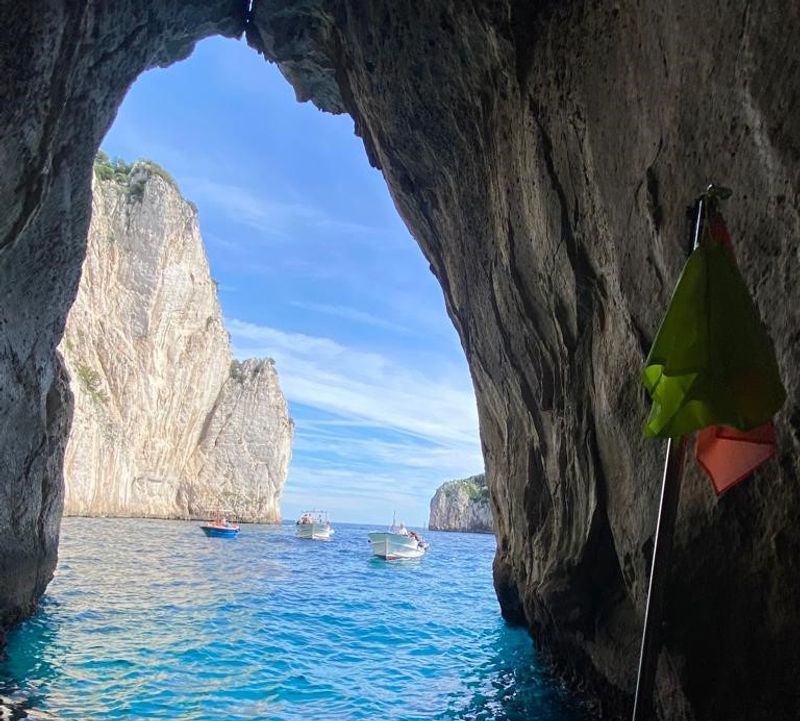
pixel 729 456
pixel 712 367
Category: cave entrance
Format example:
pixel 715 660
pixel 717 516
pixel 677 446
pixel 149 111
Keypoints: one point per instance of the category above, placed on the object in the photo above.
pixel 312 267
pixel 343 302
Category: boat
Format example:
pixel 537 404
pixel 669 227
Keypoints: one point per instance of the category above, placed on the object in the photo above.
pixel 397 543
pixel 314 526
pixel 220 527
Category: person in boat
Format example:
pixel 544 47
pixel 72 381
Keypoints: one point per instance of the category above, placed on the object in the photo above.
pixel 403 531
pixel 414 535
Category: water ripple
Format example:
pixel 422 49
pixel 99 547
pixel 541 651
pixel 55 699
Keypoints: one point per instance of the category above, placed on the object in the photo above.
pixel 151 620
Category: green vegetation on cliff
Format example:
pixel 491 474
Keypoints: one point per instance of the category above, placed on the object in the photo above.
pixel 119 171
pixel 106 169
pixel 462 505
pixel 475 487
pixel 90 382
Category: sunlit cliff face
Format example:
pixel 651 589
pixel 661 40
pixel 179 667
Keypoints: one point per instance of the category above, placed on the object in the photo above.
pixel 166 424
pixel 543 158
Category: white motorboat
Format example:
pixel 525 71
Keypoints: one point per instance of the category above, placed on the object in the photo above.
pixel 397 543
pixel 314 526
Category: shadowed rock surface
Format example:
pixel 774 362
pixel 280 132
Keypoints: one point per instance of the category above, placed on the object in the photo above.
pixel 543 155
pixel 64 69
pixel 462 505
pixel 166 423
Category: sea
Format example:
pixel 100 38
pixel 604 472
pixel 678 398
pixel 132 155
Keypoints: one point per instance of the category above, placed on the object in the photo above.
pixel 149 619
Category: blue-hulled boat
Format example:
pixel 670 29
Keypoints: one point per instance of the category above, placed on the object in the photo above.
pixel 220 528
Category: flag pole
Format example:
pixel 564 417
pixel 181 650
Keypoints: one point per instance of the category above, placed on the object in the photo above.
pixel 662 549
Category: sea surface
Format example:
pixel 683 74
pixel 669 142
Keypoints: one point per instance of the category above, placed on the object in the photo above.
pixel 152 620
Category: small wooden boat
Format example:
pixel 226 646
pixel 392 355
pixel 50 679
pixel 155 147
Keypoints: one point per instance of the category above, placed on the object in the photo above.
pixel 314 526
pixel 397 543
pixel 220 527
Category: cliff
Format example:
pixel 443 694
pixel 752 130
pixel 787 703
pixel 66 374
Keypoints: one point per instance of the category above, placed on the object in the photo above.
pixel 243 455
pixel 166 423
pixel 462 505
pixel 543 155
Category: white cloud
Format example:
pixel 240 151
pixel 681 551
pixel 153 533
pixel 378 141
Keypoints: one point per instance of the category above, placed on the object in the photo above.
pixel 274 217
pixel 358 385
pixel 353 314
pixel 372 435
pixel 355 496
pixel 437 459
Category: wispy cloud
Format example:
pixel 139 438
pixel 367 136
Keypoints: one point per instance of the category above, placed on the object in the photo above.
pixel 347 492
pixel 351 314
pixel 372 434
pixel 276 218
pixel 355 384
pixel 412 454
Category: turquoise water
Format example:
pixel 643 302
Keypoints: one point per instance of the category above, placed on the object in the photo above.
pixel 152 620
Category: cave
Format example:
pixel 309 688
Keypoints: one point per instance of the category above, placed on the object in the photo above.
pixel 543 155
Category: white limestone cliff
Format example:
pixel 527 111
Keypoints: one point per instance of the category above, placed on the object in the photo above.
pixel 233 448
pixel 462 505
pixel 166 423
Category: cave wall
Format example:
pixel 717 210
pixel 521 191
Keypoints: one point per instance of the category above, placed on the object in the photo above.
pixel 543 155
pixel 64 69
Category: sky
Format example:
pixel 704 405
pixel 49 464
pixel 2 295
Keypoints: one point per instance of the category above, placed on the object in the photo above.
pixel 316 270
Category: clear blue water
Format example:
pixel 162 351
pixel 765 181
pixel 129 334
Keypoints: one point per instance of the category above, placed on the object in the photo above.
pixel 152 620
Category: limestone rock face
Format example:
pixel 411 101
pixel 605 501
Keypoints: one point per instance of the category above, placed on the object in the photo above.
pixel 244 452
pixel 462 505
pixel 65 69
pixel 543 155
pixel 166 424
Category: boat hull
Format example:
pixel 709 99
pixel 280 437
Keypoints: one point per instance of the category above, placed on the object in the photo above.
pixel 314 531
pixel 220 531
pixel 395 546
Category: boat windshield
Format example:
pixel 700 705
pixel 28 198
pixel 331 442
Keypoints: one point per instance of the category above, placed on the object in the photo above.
pixel 313 517
pixel 401 530
pixel 223 519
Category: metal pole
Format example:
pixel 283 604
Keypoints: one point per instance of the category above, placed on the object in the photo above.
pixel 659 571
pixel 662 551
pixel 698 222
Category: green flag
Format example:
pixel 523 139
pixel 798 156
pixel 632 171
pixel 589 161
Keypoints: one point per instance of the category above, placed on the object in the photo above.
pixel 712 362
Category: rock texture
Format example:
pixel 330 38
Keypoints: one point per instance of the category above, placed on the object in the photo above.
pixel 244 452
pixel 543 155
pixel 462 505
pixel 64 69
pixel 166 423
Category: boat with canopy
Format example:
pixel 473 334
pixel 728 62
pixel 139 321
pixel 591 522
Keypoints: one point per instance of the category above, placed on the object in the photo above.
pixel 314 526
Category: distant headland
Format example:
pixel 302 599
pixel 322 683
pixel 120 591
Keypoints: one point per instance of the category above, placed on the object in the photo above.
pixel 462 505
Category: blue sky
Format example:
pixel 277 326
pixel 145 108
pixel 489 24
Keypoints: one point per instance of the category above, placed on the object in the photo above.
pixel 315 269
